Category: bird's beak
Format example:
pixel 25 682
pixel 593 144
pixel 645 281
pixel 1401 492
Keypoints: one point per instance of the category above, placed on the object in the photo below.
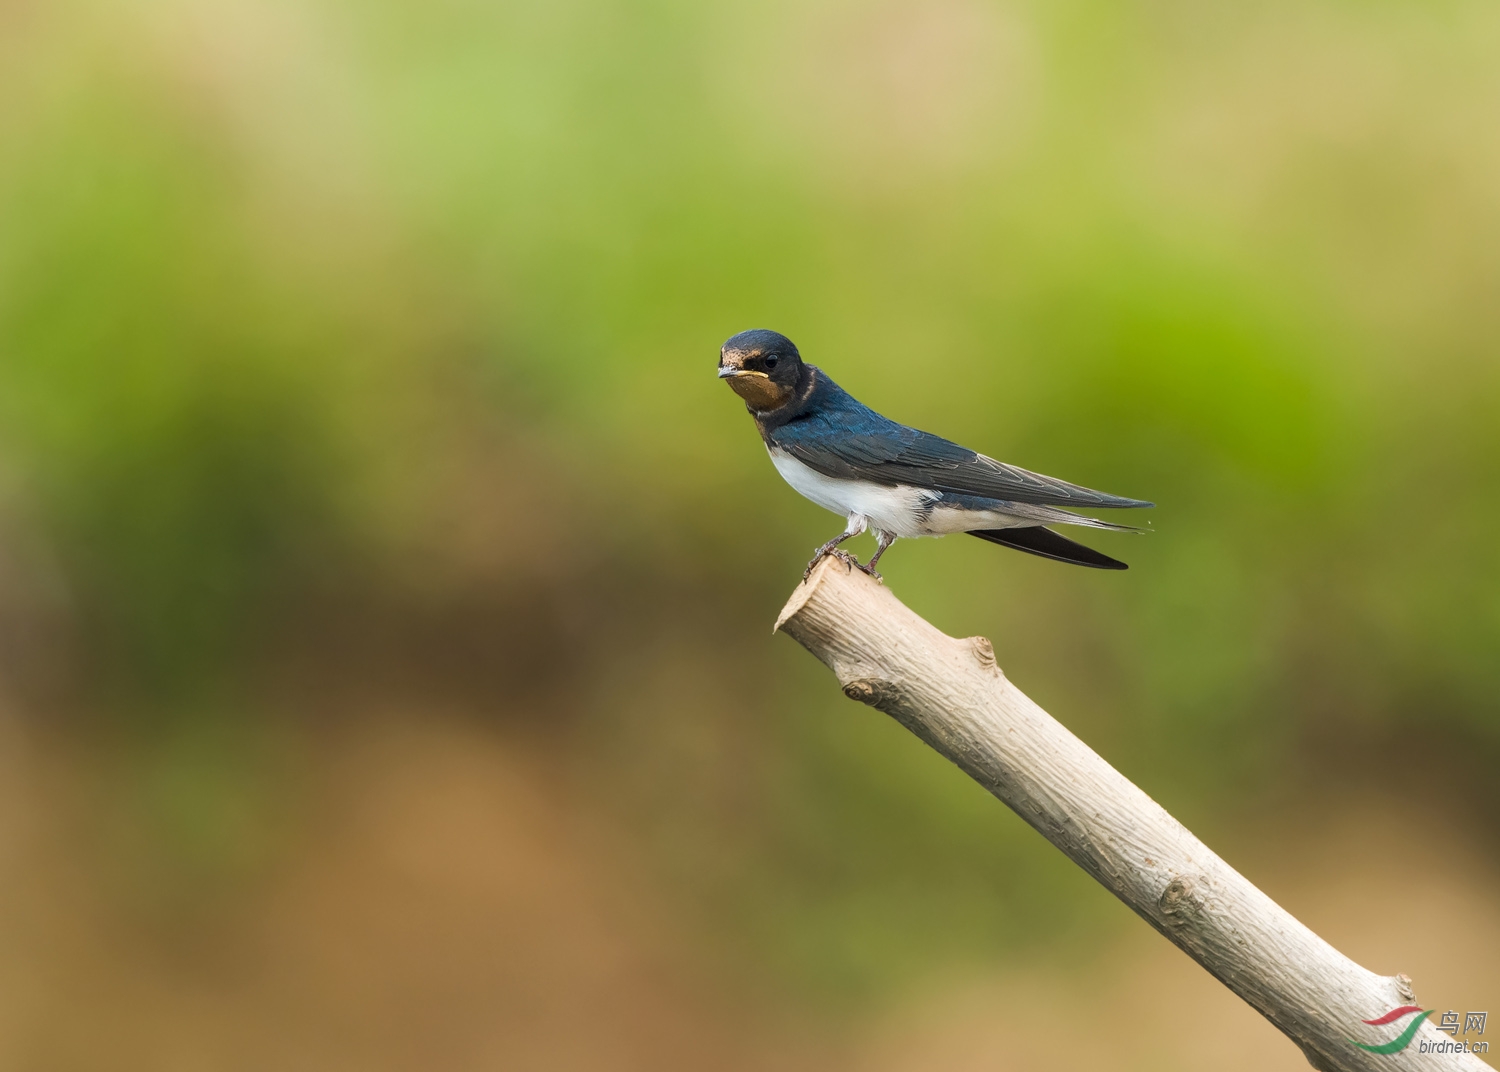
pixel 728 372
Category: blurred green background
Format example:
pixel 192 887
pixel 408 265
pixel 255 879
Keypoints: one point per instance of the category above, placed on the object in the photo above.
pixel 386 581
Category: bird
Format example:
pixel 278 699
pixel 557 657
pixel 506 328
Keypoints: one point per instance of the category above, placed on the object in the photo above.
pixel 893 480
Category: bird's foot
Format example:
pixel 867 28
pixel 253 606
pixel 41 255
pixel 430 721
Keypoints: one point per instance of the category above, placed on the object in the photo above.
pixel 871 570
pixel 833 552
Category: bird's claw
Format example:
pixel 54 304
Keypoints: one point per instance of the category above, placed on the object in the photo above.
pixel 830 552
pixel 844 557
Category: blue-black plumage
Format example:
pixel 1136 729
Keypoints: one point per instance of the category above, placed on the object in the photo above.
pixel 895 480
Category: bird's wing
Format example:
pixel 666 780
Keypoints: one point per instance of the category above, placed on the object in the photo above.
pixel 859 444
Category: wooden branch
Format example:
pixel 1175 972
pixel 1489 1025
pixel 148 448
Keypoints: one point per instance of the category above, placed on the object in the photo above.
pixel 951 694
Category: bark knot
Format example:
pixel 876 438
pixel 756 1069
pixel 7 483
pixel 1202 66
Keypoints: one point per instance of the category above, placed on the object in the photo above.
pixel 1405 987
pixel 1180 902
pixel 873 691
pixel 984 652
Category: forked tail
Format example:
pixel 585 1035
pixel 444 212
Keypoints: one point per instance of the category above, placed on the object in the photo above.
pixel 1048 544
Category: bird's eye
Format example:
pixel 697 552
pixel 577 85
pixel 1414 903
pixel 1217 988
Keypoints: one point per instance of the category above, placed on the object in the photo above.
pixel 771 362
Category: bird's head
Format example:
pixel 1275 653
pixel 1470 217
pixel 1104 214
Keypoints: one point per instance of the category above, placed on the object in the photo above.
pixel 762 367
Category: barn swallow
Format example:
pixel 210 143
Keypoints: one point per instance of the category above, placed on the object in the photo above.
pixel 895 480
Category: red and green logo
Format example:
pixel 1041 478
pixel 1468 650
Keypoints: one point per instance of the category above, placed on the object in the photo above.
pixel 1403 1040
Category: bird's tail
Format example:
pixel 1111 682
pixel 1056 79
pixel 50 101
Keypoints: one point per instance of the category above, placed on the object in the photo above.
pixel 1036 540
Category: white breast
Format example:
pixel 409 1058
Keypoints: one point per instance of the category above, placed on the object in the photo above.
pixel 898 510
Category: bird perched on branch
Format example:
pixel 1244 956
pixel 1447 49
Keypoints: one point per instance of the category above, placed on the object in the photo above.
pixel 895 480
